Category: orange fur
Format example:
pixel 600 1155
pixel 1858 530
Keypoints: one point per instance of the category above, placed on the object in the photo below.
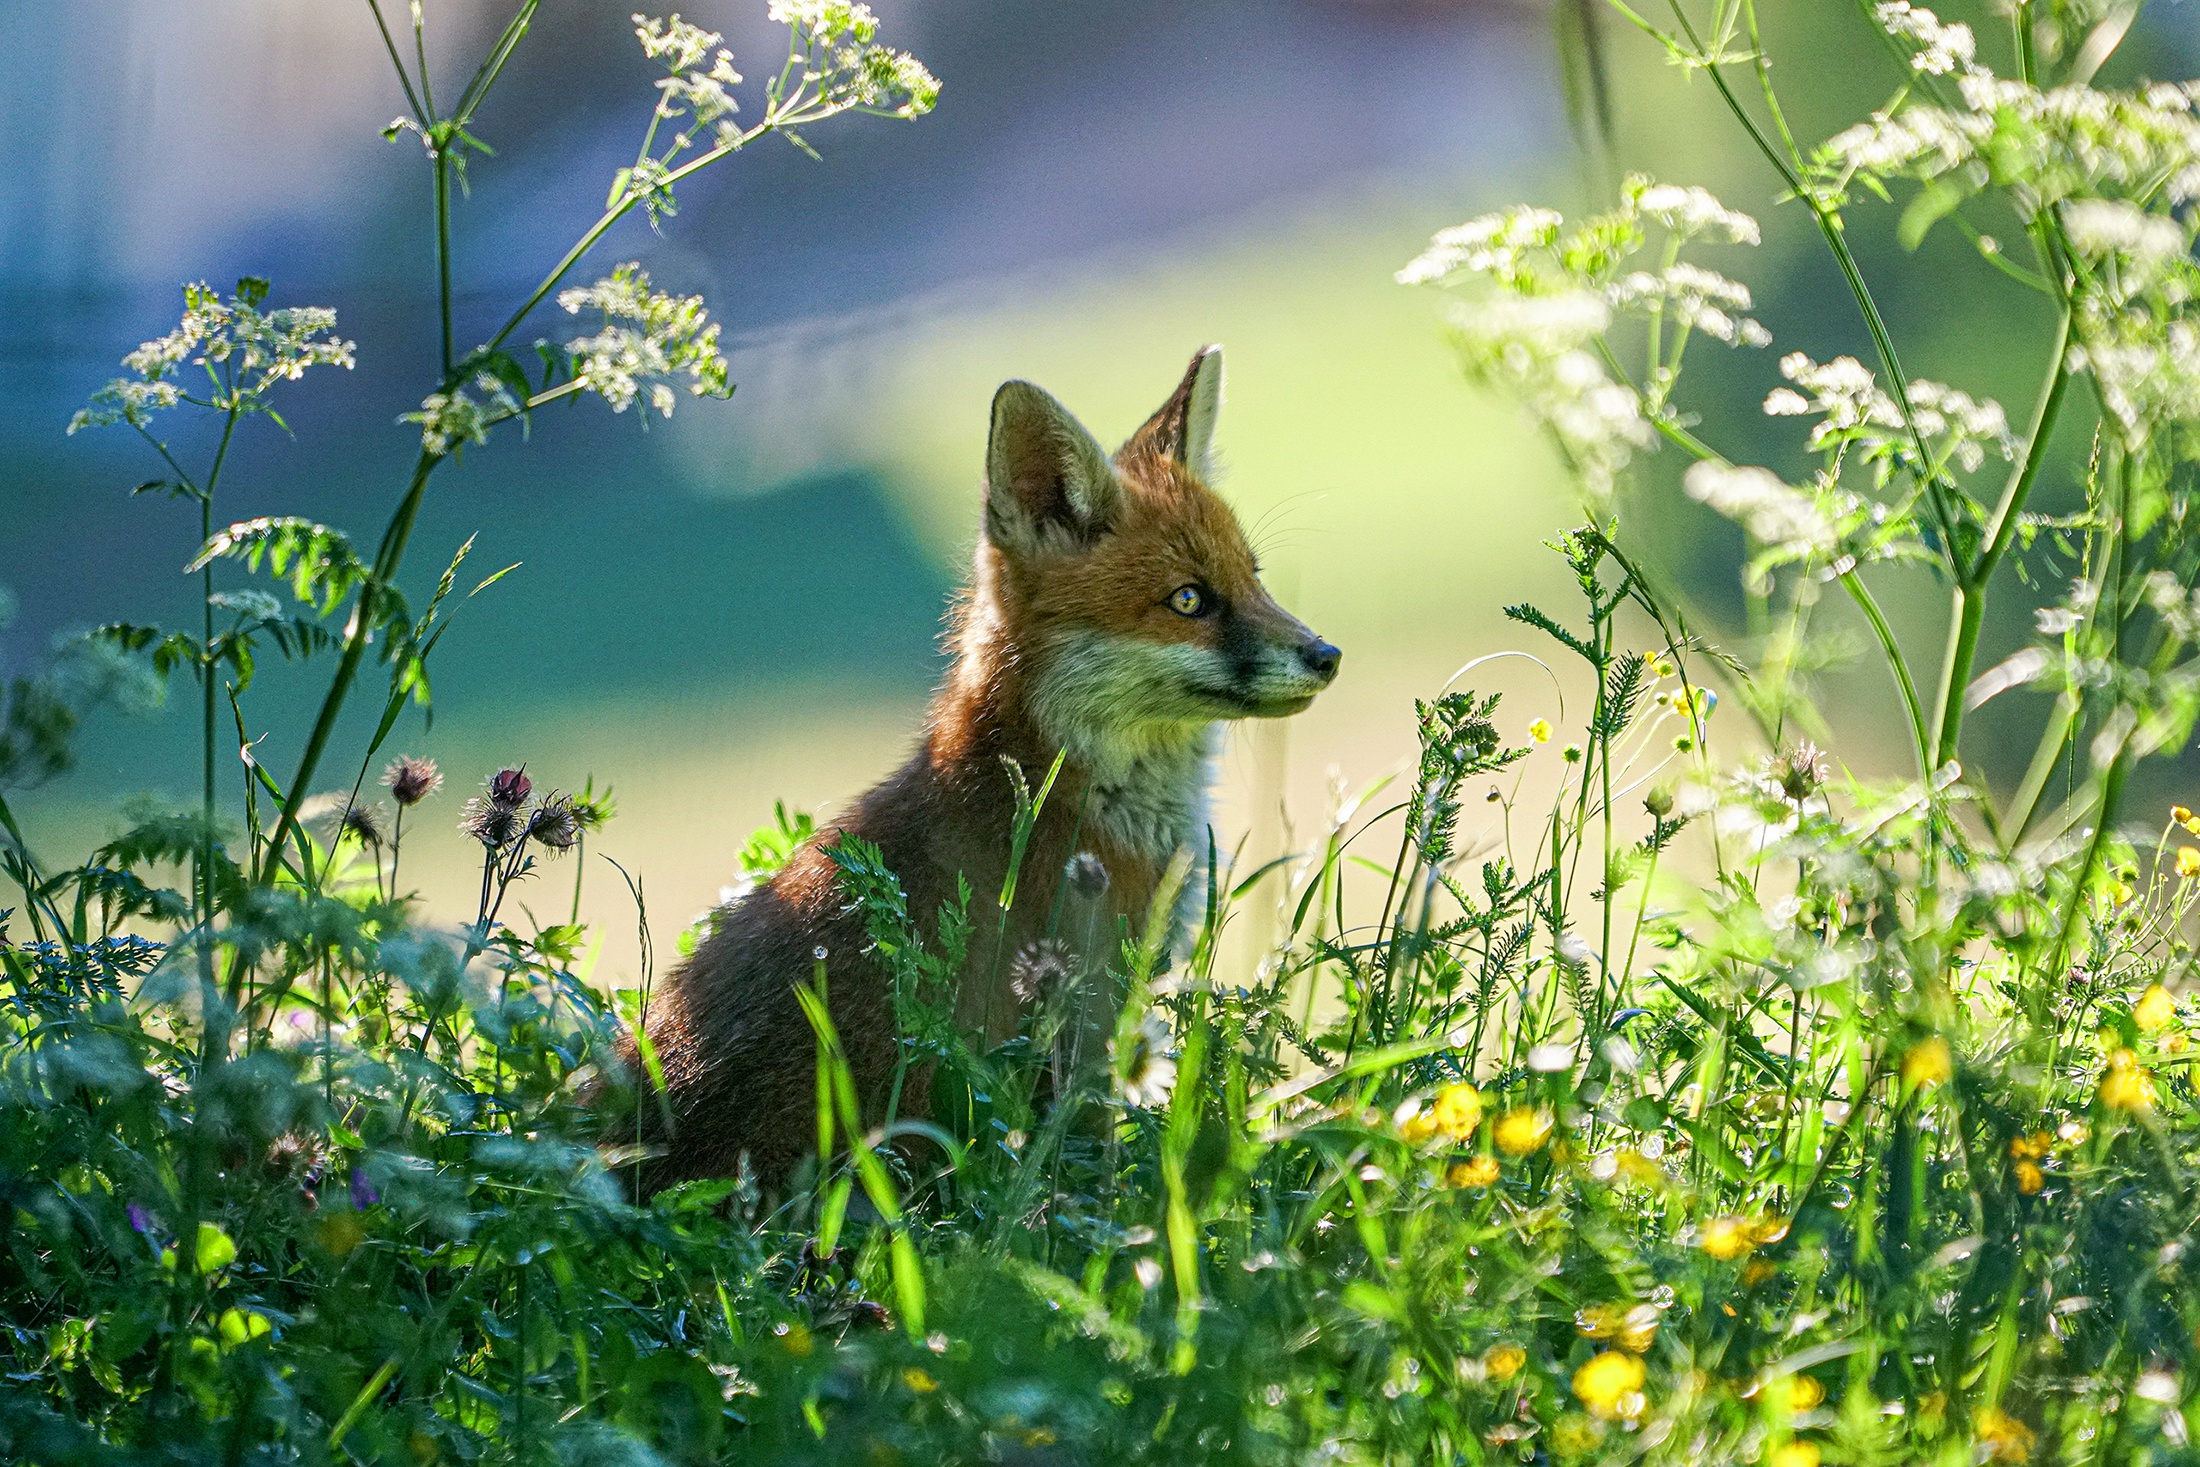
pixel 1066 640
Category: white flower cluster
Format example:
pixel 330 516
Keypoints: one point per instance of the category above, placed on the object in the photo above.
pixel 1853 408
pixel 1536 348
pixel 690 87
pixel 451 420
pixel 1693 298
pixel 1775 513
pixel 839 41
pixel 648 337
pixel 244 349
pixel 2148 371
pixel 1497 245
pixel 1942 47
pixel 2065 142
pixel 1690 212
pixel 2142 245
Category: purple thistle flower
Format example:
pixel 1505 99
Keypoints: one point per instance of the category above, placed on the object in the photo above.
pixel 363 1195
pixel 140 1220
pixel 510 788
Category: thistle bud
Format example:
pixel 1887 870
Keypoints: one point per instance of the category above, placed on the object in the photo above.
pixel 510 788
pixel 411 780
pixel 555 825
pixel 494 825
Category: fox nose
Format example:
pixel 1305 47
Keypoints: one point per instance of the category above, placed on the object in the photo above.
pixel 1320 658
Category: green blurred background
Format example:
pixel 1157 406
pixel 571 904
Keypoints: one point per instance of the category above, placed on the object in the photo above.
pixel 742 604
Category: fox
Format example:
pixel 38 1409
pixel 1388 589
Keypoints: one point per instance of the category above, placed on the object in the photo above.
pixel 1114 620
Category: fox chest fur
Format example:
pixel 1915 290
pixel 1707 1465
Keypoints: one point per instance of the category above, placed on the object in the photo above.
pixel 1114 620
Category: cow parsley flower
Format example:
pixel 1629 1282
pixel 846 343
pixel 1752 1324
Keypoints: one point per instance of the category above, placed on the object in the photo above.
pixel 1942 46
pixel 1772 511
pixel 1494 244
pixel 648 338
pixel 244 350
pixel 451 420
pixel 1690 212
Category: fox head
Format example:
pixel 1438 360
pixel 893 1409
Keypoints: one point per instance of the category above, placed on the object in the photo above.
pixel 1125 586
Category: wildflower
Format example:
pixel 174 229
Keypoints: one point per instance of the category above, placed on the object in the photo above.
pixel 1523 1129
pixel 1575 1435
pixel 1688 211
pixel 1800 772
pixel 2030 1179
pixel 1795 1454
pixel 1041 970
pixel 2188 862
pixel 1571 753
pixel 555 825
pixel 1789 1394
pixel 255 348
pixel 140 1220
pixel 1943 46
pixel 2119 892
pixel 1458 1110
pixel 1755 1272
pixel 1634 1326
pixel 1502 1362
pixel 1727 1238
pixel 1610 1385
pixel 2031 1148
pixel 1659 802
pixel 363 1194
pixel 1762 503
pixel 2179 814
pixel 1144 1073
pixel 669 336
pixel 2155 1008
pixel 1419 1128
pixel 495 826
pixel 411 780
pixel 918 1379
pixel 451 420
pixel 1929 1062
pixel 1481 1171
pixel 1540 730
pixel 510 788
pixel 2005 1438
pixel 2126 1086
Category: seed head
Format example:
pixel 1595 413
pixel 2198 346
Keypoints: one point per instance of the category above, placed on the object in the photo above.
pixel 495 826
pixel 365 822
pixel 556 824
pixel 1799 772
pixel 1041 970
pixel 510 788
pixel 411 780
pixel 1086 875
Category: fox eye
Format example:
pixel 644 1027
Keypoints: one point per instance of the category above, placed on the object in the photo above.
pixel 1188 600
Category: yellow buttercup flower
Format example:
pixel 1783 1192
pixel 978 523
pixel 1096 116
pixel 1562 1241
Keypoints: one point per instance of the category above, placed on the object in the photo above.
pixel 1540 730
pixel 2119 892
pixel 1726 1238
pixel 2188 862
pixel 1458 1110
pixel 2127 1086
pixel 2178 814
pixel 1755 1272
pixel 1523 1129
pixel 919 1380
pixel 1792 1393
pixel 1503 1362
pixel 1929 1062
pixel 1418 1128
pixel 1610 1385
pixel 2155 1008
pixel 2032 1147
pixel 2005 1438
pixel 2030 1179
pixel 1634 1326
pixel 1796 1454
pixel 1478 1172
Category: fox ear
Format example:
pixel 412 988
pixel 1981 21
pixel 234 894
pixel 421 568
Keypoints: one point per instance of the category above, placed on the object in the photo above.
pixel 1048 483
pixel 1184 428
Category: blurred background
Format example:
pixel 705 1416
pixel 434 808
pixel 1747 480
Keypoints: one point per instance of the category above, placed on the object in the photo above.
pixel 742 604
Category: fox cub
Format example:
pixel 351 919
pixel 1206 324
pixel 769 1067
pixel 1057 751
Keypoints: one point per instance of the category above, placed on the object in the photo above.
pixel 1115 615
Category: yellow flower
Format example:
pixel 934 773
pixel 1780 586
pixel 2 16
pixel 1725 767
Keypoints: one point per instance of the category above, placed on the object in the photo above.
pixel 2155 1008
pixel 1636 1167
pixel 1523 1129
pixel 2193 825
pixel 2029 1177
pixel 2119 892
pixel 2126 1086
pixel 1796 1454
pixel 2032 1147
pixel 1929 1062
pixel 1610 1385
pixel 2005 1438
pixel 1726 1238
pixel 1419 1127
pixel 2178 814
pixel 1458 1110
pixel 1479 1172
pixel 1755 1272
pixel 1792 1393
pixel 919 1380
pixel 1540 730
pixel 1575 1435
pixel 1503 1362
pixel 1634 1327
pixel 2188 862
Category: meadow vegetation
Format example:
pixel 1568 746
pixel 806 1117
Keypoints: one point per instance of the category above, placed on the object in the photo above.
pixel 1641 1086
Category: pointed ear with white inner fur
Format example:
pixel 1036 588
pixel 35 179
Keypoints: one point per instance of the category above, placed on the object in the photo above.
pixel 1184 427
pixel 1049 484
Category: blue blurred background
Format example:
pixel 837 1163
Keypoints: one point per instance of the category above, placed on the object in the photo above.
pixel 742 603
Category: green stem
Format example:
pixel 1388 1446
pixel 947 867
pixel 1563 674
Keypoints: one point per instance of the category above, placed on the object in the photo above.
pixel 1861 594
pixel 443 249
